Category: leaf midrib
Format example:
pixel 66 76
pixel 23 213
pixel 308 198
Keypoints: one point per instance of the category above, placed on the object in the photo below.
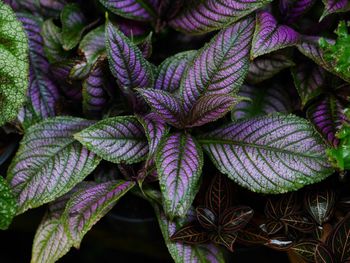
pixel 258 146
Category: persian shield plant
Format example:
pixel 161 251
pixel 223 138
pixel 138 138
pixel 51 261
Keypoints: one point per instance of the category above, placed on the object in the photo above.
pixel 213 111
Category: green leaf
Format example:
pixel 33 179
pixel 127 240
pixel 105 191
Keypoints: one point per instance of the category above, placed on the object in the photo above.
pixel 8 205
pixel 73 25
pixel 14 65
pixel 117 139
pixel 49 162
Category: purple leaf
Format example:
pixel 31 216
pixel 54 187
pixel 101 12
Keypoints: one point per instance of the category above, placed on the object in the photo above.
pixel 42 92
pixel 49 162
pixel 146 46
pixel 334 6
pixel 126 61
pixel 52 7
pixel 87 206
pixel 263 100
pixel 327 114
pixel 182 253
pixel 269 154
pixel 291 10
pixel 310 48
pixel 190 234
pixel 170 72
pixel 266 67
pixel 116 139
pixel 309 81
pixel 155 129
pixel 221 65
pixel 95 97
pixel 210 15
pixel 165 104
pixel 132 9
pixel 179 161
pixel 210 108
pixel 269 36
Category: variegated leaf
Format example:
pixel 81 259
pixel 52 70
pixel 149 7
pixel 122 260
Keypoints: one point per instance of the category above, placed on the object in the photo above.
pixel 209 108
pixel 179 161
pixel 262 100
pixel 170 72
pixel 8 205
pixel 269 36
pixel 116 139
pixel 269 154
pixel 126 61
pixel 266 67
pixel 208 15
pixel 165 104
pixel 334 6
pixel 221 65
pixel 49 162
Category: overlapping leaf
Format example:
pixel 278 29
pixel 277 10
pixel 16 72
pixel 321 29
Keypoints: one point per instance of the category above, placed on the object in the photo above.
pixel 126 61
pixel 334 6
pixel 49 162
pixel 8 205
pixel 116 139
pixel 155 129
pixel 339 241
pixel 179 161
pixel 309 81
pixel 327 115
pixel 13 64
pixel 309 46
pixel 170 71
pixel 265 67
pixel 73 25
pixel 88 206
pixel 43 92
pixel 320 204
pixel 269 36
pixel 182 253
pixel 269 154
pixel 209 108
pixel 291 10
pixel 132 9
pixel 262 101
pixel 165 104
pixel 221 65
pixel 95 97
pixel 208 15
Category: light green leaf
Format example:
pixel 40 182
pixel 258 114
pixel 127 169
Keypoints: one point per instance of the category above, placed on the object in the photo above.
pixel 8 205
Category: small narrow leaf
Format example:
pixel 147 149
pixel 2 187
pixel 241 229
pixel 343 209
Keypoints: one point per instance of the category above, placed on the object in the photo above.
pixel 263 100
pixel 225 239
pixel 126 61
pixel 339 241
pixel 43 92
pixel 86 207
pixel 269 36
pixel 116 139
pixel 209 15
pixel 309 81
pixel 73 25
pixel 334 6
pixel 49 162
pixel 269 154
pixel 320 204
pixel 8 205
pixel 190 234
pixel 182 253
pixel 221 65
pixel 305 249
pixel 266 67
pixel 179 161
pixel 291 10
pixel 206 218
pixel 299 222
pixel 235 218
pixel 166 105
pixel 323 255
pixel 327 114
pixel 210 108
pixel 13 64
pixel 132 9
pixel 170 72
pixel 155 129
pixel 309 46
